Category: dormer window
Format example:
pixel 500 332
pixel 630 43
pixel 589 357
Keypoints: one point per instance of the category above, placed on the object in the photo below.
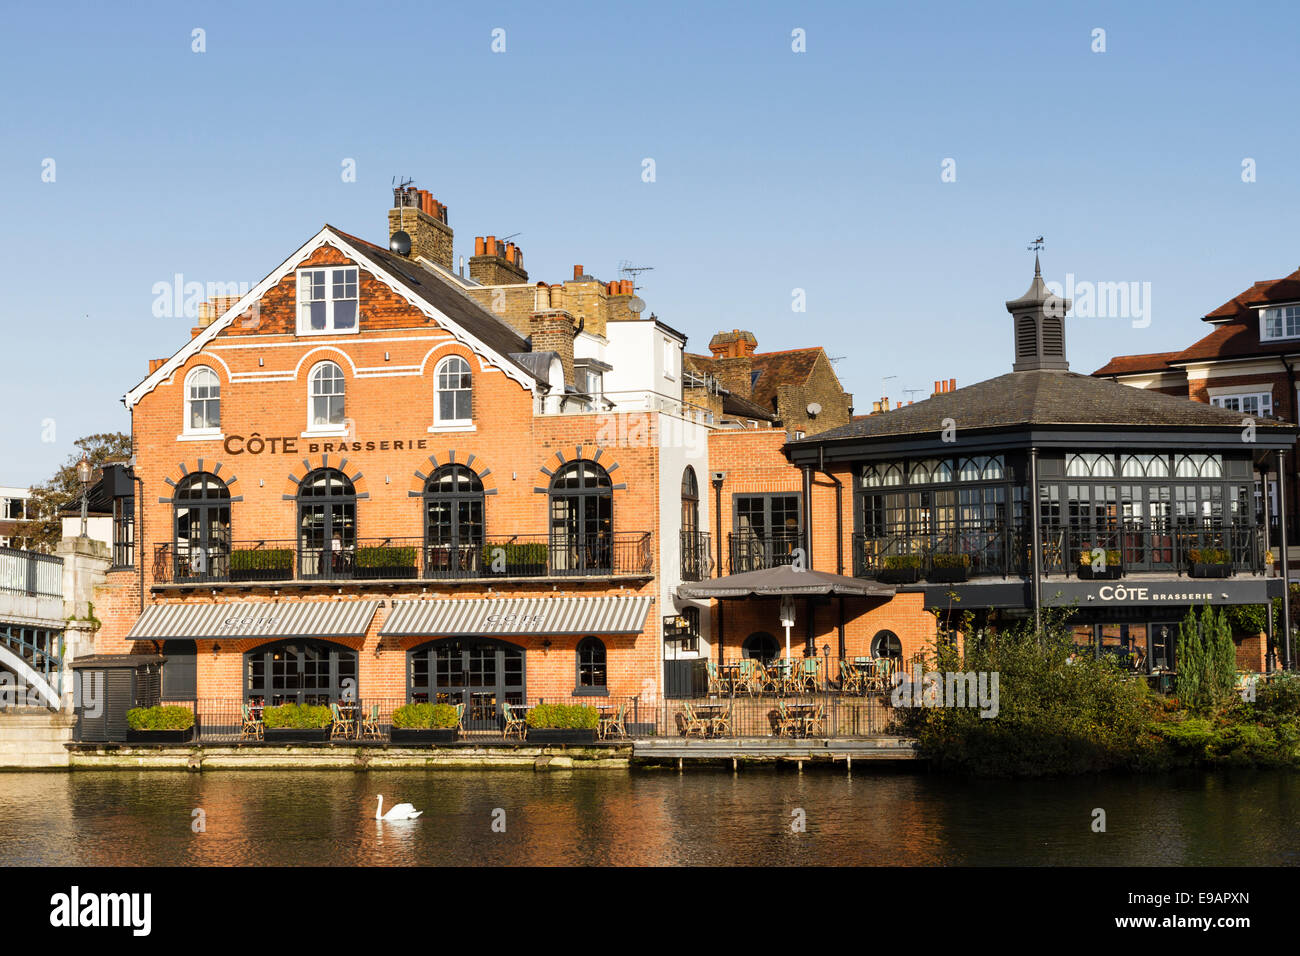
pixel 327 300
pixel 1282 322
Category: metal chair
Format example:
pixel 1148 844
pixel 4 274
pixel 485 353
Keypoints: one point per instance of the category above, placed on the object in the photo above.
pixel 514 724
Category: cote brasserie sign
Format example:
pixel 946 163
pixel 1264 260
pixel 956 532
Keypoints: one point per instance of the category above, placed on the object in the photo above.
pixel 1177 591
pixel 255 444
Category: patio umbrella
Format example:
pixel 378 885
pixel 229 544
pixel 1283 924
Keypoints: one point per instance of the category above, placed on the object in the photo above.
pixel 780 581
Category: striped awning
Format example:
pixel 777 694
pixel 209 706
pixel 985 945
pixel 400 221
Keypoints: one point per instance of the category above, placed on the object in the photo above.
pixel 254 619
pixel 615 614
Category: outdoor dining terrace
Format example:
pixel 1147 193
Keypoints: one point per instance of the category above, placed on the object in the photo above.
pixel 395 558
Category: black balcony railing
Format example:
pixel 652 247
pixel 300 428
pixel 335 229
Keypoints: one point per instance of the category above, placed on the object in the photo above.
pixel 1194 550
pixel 697 555
pixel 755 552
pixel 494 556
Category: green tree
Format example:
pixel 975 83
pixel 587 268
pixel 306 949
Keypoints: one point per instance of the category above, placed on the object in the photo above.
pixel 1206 659
pixel 44 527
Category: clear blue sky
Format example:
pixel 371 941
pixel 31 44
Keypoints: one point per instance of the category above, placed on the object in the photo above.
pixel 774 170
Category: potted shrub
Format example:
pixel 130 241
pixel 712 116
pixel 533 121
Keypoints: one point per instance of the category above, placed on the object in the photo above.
pixel 1209 563
pixel 948 568
pixel 1092 570
pixel 298 723
pixel 386 562
pixel 900 569
pixel 171 724
pixel 425 724
pixel 562 724
pixel 526 560
pixel 261 564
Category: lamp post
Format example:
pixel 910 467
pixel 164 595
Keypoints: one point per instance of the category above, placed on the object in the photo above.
pixel 83 476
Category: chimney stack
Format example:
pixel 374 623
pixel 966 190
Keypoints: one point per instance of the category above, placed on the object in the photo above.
pixel 416 213
pixel 733 354
pixel 497 263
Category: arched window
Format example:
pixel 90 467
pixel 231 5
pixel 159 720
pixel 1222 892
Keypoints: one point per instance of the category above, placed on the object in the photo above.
pixel 327 525
pixel 453 523
pixel 202 401
pixel 454 404
pixel 326 396
pixel 1145 466
pixel 695 546
pixel 300 672
pixel 582 519
pixel 202 528
pixel 886 644
pixel 760 646
pixel 591 666
pixel 1199 466
pixel 1090 466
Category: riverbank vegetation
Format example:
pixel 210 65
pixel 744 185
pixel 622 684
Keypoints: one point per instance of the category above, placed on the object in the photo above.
pixel 1063 712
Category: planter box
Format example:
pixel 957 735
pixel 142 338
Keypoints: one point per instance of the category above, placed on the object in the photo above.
pixel 425 735
pixel 1210 570
pixel 947 575
pixel 898 575
pixel 557 735
pixel 262 574
pixel 160 736
pixel 297 735
pixel 1088 573
pixel 387 571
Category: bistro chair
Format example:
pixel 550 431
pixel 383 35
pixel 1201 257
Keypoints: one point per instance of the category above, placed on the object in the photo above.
pixel 850 679
pixel 251 727
pixel 720 724
pixel 514 723
pixel 460 717
pixel 343 725
pixel 752 677
pixel 807 673
pixel 715 681
pixel 612 726
pixel 787 677
pixel 370 724
pixel 814 723
pixel 688 725
pixel 784 722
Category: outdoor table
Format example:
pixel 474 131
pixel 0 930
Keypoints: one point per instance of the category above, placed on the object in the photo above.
pixel 709 713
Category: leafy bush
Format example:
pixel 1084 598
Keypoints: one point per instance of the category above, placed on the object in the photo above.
pixel 424 716
pixel 169 717
pixel 386 557
pixel 901 562
pixel 1112 557
pixel 949 560
pixel 1209 556
pixel 564 717
pixel 1249 618
pixel 532 554
pixel 1207 660
pixel 297 717
pixel 259 559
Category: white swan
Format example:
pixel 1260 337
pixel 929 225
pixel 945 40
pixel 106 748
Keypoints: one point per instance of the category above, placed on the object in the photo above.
pixel 403 811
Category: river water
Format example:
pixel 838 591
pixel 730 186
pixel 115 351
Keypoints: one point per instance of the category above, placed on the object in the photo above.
pixel 645 817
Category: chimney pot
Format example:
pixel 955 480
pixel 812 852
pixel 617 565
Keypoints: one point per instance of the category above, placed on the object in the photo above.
pixel 478 245
pixel 577 272
pixel 952 384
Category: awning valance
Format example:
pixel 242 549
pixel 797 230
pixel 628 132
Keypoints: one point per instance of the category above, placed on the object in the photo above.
pixel 780 581
pixel 254 619
pixel 614 614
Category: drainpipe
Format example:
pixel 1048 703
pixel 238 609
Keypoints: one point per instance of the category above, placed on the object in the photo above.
pixel 1034 550
pixel 839 535
pixel 138 531
pixel 1285 481
pixel 1286 574
pixel 807 516
pixel 717 524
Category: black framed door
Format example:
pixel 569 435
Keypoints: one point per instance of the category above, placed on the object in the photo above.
pixel 180 671
pixel 480 673
pixel 300 672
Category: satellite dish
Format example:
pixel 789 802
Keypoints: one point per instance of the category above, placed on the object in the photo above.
pixel 636 304
pixel 814 409
pixel 400 243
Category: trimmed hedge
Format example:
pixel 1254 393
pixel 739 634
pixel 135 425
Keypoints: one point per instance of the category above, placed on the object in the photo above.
pixel 297 717
pixel 169 717
pixel 564 717
pixel 944 559
pixel 386 557
pixel 899 562
pixel 424 716
pixel 517 555
pixel 260 559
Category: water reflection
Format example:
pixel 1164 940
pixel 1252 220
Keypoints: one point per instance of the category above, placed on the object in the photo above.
pixel 644 818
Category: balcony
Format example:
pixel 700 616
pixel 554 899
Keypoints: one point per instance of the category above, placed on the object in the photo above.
pixel 497 557
pixel 697 555
pixel 1189 550
pixel 756 552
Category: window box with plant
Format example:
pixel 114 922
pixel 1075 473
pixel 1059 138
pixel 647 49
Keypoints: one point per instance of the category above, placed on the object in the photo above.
pixel 386 562
pixel 425 724
pixel 900 569
pixel 170 724
pixel 297 723
pixel 1092 568
pixel 261 564
pixel 523 560
pixel 1209 563
pixel 948 567
pixel 562 724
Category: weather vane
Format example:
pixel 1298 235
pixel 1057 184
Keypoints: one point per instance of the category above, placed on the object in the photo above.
pixel 1036 244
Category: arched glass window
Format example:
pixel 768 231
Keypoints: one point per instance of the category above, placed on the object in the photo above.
pixel 982 468
pixel 760 646
pixel 892 474
pixel 1145 466
pixel 690 502
pixel 300 672
pixel 582 519
pixel 591 666
pixel 326 396
pixel 886 644
pixel 695 546
pixel 202 528
pixel 1199 466
pixel 455 392
pixel 327 525
pixel 202 401
pixel 453 523
pixel 1090 466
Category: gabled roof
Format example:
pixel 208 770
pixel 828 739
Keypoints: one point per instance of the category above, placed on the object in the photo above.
pixel 488 336
pixel 1041 397
pixel 770 371
pixel 1131 364
pixel 1238 338
pixel 1286 289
